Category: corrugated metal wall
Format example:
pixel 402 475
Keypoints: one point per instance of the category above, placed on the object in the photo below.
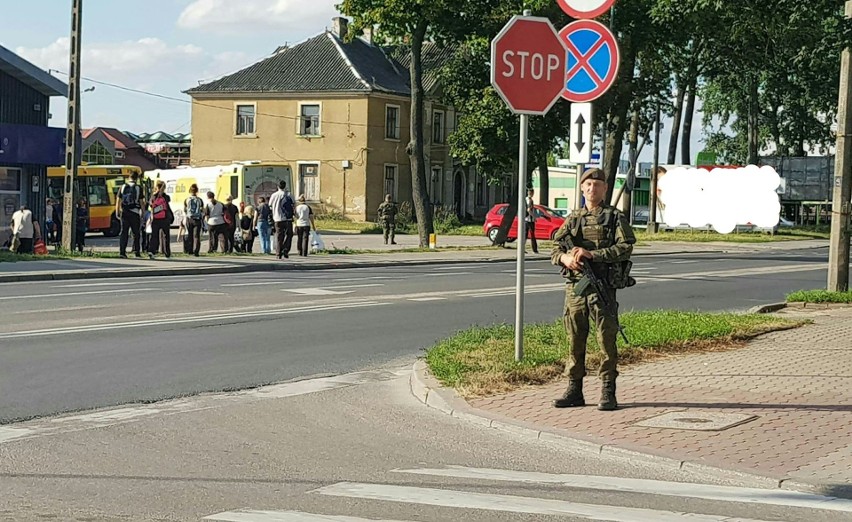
pixel 18 103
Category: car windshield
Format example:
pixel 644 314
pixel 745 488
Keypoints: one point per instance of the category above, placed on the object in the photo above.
pixel 549 211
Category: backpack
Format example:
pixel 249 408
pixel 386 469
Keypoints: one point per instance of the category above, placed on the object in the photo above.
pixel 227 215
pixel 193 207
pixel 159 207
pixel 130 198
pixel 264 213
pixel 288 206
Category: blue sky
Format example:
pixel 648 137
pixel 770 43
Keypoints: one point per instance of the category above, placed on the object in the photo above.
pixel 161 46
pixel 164 47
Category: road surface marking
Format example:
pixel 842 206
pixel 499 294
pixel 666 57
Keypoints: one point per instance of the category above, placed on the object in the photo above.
pixel 83 285
pixel 427 299
pixel 511 503
pixel 335 287
pixel 445 274
pixel 314 291
pixel 124 415
pixel 685 262
pixel 253 314
pixel 66 309
pixel 200 292
pixel 285 516
pixel 71 294
pixel 774 497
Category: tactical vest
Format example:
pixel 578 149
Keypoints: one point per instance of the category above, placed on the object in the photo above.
pixel 595 232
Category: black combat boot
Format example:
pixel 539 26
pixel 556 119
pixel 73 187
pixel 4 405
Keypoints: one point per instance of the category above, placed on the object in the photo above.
pixel 573 396
pixel 608 402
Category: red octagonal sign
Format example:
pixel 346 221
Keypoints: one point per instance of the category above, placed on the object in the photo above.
pixel 528 65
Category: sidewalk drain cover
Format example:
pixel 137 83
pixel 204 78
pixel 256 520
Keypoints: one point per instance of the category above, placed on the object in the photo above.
pixel 696 421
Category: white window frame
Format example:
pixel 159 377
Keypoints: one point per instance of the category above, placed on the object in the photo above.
pixel 299 119
pixel 443 127
pixel 398 123
pixel 301 189
pixel 395 193
pixel 237 106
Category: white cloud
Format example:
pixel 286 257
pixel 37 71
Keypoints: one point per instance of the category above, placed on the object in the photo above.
pixel 282 16
pixel 114 61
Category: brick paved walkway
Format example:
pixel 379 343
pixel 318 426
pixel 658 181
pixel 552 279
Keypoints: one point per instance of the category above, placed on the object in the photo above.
pixel 798 383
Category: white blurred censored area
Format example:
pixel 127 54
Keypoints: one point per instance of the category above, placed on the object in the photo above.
pixel 722 197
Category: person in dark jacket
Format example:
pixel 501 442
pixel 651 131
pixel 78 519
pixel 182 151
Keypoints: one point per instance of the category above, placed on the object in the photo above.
pixel 231 213
pixel 161 224
pixel 81 224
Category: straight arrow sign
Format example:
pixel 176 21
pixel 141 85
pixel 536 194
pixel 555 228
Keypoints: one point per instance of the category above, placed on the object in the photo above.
pixel 581 133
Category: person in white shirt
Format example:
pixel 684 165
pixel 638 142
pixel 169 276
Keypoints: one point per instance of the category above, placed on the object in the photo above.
pixel 22 227
pixel 530 219
pixel 215 214
pixel 282 206
pixel 304 224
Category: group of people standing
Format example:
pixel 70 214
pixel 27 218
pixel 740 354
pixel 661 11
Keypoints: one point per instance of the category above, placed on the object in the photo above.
pixel 233 227
pixel 26 230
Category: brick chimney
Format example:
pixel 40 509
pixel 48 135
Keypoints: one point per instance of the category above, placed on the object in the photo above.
pixel 339 26
pixel 367 34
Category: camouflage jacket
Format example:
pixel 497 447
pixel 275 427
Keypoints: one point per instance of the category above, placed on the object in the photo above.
pixel 604 231
pixel 387 212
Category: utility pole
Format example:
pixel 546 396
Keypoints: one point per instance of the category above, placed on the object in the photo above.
pixel 652 199
pixel 838 255
pixel 72 157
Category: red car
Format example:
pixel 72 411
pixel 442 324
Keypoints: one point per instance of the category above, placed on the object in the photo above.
pixel 546 224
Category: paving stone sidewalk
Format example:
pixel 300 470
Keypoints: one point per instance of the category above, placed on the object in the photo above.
pixel 796 384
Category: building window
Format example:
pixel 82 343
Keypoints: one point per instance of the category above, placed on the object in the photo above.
pixel 97 192
pixel 391 175
pixel 438 127
pixel 309 181
pixel 245 120
pixel 309 120
pixel 97 154
pixel 437 181
pixel 392 122
pixel 481 191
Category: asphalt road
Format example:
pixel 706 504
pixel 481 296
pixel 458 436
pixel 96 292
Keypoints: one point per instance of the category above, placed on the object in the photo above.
pixel 74 345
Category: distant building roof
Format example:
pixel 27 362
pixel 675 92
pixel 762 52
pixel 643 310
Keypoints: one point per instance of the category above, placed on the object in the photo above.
pixel 324 63
pixel 121 140
pixel 30 75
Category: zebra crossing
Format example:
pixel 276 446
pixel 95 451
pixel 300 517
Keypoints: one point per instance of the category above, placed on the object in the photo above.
pixel 381 495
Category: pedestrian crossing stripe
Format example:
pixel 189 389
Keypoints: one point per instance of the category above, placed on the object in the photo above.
pixel 513 504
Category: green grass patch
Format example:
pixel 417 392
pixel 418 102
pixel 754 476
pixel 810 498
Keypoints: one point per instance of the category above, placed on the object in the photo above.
pixel 480 361
pixel 464 230
pixel 702 236
pixel 819 296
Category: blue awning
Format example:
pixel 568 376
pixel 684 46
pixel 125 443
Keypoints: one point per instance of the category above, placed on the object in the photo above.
pixel 31 144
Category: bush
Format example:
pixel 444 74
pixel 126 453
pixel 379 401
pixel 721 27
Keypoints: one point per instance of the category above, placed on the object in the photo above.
pixel 445 220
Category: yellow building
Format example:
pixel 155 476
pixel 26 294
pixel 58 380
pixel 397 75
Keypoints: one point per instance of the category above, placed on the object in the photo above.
pixel 338 114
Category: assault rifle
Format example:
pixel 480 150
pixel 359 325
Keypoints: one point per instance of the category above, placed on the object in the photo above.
pixel 591 279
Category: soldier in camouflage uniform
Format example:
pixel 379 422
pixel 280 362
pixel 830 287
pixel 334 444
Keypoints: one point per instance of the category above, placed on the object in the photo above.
pixel 598 234
pixel 387 217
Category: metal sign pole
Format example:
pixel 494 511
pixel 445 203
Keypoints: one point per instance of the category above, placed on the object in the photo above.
pixel 522 239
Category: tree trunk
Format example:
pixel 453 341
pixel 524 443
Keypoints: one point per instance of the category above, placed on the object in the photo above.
pixel 688 117
pixel 419 191
pixel 678 112
pixel 753 122
pixel 617 124
pixel 543 181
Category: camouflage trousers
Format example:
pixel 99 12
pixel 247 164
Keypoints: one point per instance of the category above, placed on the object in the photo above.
pixel 579 313
pixel 389 229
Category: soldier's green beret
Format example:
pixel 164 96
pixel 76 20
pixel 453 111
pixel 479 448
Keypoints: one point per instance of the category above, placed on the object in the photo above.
pixel 597 174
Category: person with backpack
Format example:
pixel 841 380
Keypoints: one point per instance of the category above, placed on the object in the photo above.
pixel 128 208
pixel 263 223
pixel 283 208
pixel 214 212
pixel 193 209
pixel 162 218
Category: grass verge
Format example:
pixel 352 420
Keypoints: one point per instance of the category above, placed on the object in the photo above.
pixel 819 296
pixel 698 236
pixel 480 361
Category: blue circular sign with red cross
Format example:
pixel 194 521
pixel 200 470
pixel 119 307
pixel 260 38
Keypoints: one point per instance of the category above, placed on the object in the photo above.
pixel 592 60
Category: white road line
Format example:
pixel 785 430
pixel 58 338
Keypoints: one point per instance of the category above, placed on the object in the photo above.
pixel 69 294
pixel 335 287
pixel 200 292
pixel 426 299
pixel 774 497
pixel 84 285
pixel 314 291
pixel 197 319
pixel 685 262
pixel 511 504
pixel 66 309
pixel 445 274
pixel 285 516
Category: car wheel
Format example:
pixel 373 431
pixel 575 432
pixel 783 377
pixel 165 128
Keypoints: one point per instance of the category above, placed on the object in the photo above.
pixel 492 233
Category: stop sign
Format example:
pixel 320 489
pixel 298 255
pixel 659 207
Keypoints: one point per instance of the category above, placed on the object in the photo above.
pixel 528 65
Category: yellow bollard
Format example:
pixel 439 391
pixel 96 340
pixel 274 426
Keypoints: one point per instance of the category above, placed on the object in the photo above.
pixel 433 241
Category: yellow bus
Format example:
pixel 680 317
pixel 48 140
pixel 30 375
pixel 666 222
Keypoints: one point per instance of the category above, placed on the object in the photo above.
pixel 99 184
